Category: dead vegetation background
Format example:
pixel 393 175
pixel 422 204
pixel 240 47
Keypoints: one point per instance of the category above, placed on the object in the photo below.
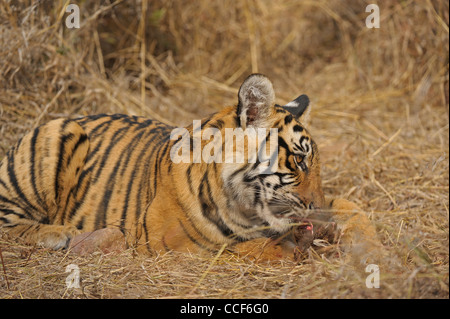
pixel 380 117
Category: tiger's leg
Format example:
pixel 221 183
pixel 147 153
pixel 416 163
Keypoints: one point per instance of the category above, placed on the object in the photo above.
pixel 36 177
pixel 355 233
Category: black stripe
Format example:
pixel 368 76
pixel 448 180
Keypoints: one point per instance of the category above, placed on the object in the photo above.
pixel 210 209
pixel 282 143
pixel 92 118
pixel 158 160
pixel 237 120
pixel 86 173
pixel 127 198
pixel 147 244
pixel 189 179
pixel 4 185
pixel 164 151
pixel 166 248
pixel 288 165
pixel 6 200
pixel 45 220
pixel 103 125
pixel 217 124
pixel 155 178
pixel 288 119
pixel 27 229
pixel 80 224
pixel 131 149
pixel 81 140
pixel 11 212
pixel 15 184
pixel 313 150
pixel 237 172
pixel 185 210
pixel 100 214
pixel 59 165
pixel 257 199
pixel 33 173
pixel 192 238
pixel 301 143
pixel 287 162
pixel 117 136
pixel 331 203
pixel 205 121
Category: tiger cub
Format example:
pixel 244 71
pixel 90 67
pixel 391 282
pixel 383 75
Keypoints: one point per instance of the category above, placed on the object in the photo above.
pixel 77 175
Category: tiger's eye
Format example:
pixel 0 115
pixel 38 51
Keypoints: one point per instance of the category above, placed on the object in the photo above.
pixel 300 163
pixel 298 159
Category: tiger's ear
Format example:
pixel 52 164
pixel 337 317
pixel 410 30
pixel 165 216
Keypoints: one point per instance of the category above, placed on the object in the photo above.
pixel 299 108
pixel 256 99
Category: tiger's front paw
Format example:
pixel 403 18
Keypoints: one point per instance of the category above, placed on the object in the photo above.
pixel 355 232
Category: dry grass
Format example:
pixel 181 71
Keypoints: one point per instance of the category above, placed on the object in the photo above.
pixel 380 117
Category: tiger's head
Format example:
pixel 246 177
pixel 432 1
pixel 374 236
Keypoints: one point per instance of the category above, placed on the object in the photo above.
pixel 278 192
